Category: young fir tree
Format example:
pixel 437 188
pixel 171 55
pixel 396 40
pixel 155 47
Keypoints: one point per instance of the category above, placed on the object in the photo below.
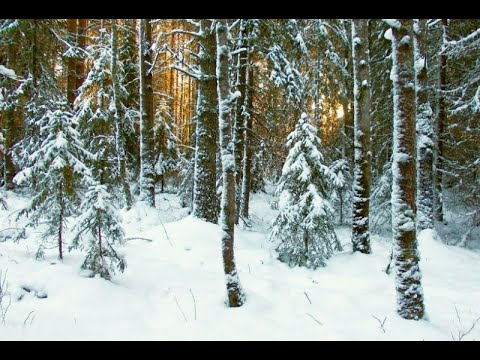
pixel 100 227
pixel 55 173
pixel 304 229
pixel 406 258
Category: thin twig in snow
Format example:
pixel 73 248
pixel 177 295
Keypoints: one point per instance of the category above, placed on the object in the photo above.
pixel 194 306
pixel 180 308
pixel 307 297
pixel 382 323
pixel 318 322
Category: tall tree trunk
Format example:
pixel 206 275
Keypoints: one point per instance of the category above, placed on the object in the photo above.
pixel 235 294
pixel 204 190
pixel 238 134
pixel 362 154
pixel 119 122
pixel 441 121
pixel 80 64
pixel 406 258
pixel 9 131
pixel 247 146
pixel 424 131
pixel 71 62
pixel 147 173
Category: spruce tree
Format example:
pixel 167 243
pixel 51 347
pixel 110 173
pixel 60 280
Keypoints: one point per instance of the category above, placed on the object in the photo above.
pixel 98 228
pixel 303 230
pixel 54 173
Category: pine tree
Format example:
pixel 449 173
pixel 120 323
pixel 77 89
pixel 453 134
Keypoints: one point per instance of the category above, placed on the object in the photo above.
pixel 100 226
pixel 205 191
pixel 304 229
pixel 147 172
pixel 55 173
pixel 425 144
pixel 406 258
pixel 362 158
pixel 235 293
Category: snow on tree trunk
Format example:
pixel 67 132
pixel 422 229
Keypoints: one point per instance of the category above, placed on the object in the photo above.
pixel 406 258
pixel 247 146
pixel 227 216
pixel 204 190
pixel 147 172
pixel 119 121
pixel 441 122
pixel 238 133
pixel 362 155
pixel 424 131
pixel 303 229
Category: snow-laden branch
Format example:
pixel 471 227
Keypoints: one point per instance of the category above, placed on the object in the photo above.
pixel 9 73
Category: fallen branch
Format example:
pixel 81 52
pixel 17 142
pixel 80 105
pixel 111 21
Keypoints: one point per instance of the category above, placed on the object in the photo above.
pixel 138 238
pixel 307 297
pixel 180 308
pixel 382 323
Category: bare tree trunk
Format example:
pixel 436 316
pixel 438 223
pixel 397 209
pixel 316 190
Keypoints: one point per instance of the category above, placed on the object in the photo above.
pixel 406 258
pixel 424 132
pixel 441 121
pixel 119 122
pixel 147 173
pixel 71 62
pixel 9 131
pixel 227 222
pixel 362 154
pixel 80 65
pixel 247 147
pixel 238 134
pixel 205 190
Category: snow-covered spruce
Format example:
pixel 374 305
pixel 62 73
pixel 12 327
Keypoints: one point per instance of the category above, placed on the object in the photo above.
pixel 97 229
pixel 55 174
pixel 303 230
pixel 406 258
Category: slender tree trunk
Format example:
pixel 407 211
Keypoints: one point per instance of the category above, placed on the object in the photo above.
pixel 60 225
pixel 205 190
pixel 227 222
pixel 71 62
pixel 441 121
pixel 406 258
pixel 362 154
pixel 147 173
pixel 80 64
pixel 424 132
pixel 9 131
pixel 238 133
pixel 119 122
pixel 247 147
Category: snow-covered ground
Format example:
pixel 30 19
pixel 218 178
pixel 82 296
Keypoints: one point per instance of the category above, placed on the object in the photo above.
pixel 173 287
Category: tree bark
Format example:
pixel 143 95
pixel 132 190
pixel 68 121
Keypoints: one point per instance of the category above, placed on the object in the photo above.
pixel 247 146
pixel 362 154
pixel 79 64
pixel 234 290
pixel 147 173
pixel 119 122
pixel 71 62
pixel 406 258
pixel 424 132
pixel 441 121
pixel 205 191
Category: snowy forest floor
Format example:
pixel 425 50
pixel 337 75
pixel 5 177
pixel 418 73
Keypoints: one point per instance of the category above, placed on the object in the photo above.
pixel 173 287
